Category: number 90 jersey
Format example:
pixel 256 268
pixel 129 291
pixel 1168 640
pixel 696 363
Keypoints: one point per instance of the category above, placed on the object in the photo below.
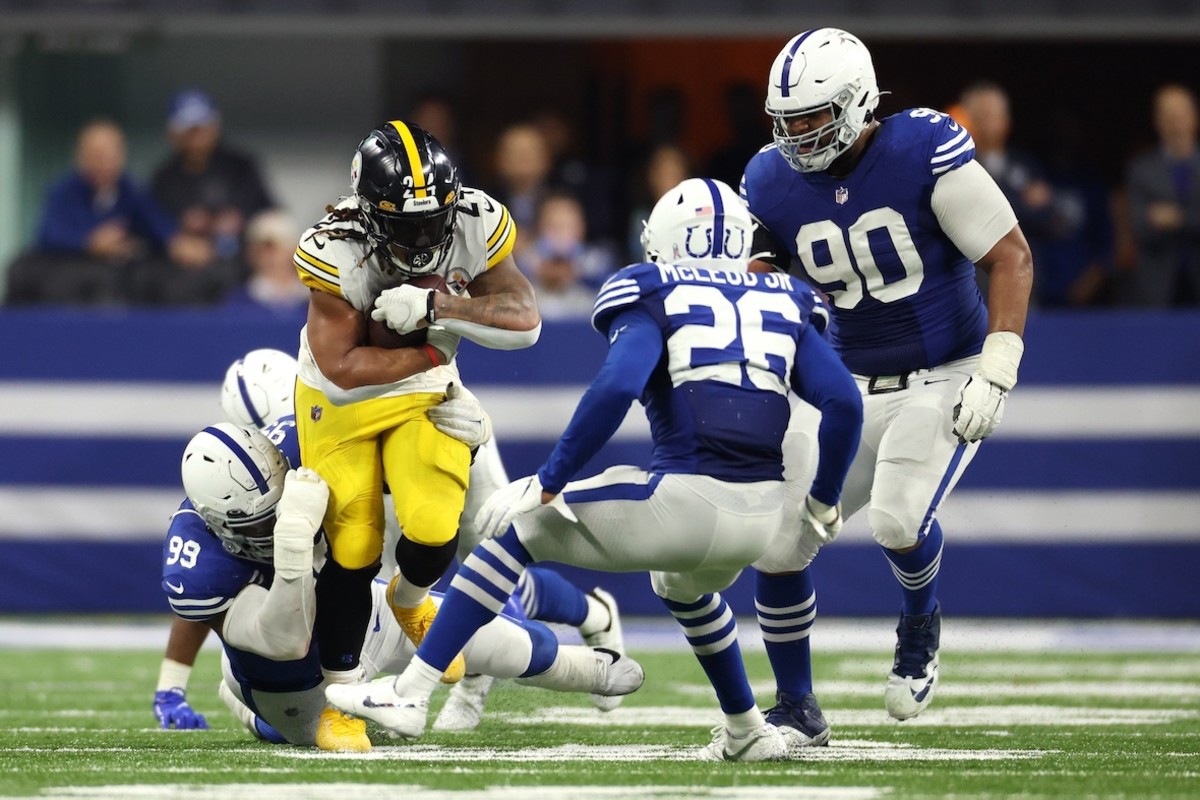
pixel 904 297
pixel 717 400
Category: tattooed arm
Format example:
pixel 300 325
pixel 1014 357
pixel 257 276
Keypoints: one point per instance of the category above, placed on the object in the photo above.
pixel 501 312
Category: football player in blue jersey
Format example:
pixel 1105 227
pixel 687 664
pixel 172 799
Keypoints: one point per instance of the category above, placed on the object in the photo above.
pixel 240 557
pixel 712 351
pixel 889 218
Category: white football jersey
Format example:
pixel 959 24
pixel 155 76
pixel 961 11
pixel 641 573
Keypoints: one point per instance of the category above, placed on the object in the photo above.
pixel 335 257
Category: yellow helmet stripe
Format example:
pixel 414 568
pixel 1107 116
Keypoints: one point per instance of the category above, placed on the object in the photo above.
pixel 414 158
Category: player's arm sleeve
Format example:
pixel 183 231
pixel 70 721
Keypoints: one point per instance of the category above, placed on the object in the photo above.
pixel 275 623
pixel 634 351
pixel 821 380
pixel 971 209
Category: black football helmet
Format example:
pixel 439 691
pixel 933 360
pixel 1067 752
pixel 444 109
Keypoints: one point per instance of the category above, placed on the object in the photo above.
pixel 407 188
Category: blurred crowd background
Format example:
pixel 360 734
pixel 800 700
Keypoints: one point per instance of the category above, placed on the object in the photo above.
pixel 155 166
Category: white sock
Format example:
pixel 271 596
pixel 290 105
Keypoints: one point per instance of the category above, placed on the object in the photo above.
pixel 409 595
pixel 356 675
pixel 743 723
pixel 418 679
pixel 573 670
pixel 598 617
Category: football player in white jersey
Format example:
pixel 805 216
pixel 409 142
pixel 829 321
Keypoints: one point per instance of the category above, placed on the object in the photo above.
pixel 889 217
pixel 239 557
pixel 361 408
pixel 713 352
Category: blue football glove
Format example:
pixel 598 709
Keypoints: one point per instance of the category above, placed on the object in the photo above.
pixel 171 709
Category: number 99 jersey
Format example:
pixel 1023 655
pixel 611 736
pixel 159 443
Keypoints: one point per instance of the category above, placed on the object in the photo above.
pixel 904 297
pixel 717 400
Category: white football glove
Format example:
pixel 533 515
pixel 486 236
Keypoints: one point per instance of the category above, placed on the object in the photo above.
pixel 824 522
pixel 443 341
pixel 460 416
pixel 402 307
pixel 980 406
pixel 509 502
pixel 298 518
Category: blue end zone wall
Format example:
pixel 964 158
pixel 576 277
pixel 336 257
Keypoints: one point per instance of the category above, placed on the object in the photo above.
pixel 85 492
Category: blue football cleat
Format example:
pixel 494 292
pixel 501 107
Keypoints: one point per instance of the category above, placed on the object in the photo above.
pixel 800 720
pixel 915 671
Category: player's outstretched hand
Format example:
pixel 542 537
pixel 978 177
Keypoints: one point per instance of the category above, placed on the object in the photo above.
pixel 461 416
pixel 171 709
pixel 820 520
pixel 979 410
pixel 509 502
pixel 402 308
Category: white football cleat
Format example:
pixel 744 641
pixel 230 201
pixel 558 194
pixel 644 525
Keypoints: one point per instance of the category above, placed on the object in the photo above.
pixel 464 707
pixel 594 670
pixel 915 672
pixel 764 743
pixel 380 702
pixel 610 638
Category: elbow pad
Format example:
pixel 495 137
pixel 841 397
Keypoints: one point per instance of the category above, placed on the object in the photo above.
pixel 492 338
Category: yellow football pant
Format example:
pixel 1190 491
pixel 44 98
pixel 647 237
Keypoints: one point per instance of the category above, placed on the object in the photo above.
pixel 357 447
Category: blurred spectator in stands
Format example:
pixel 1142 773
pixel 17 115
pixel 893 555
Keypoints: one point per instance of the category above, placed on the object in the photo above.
pixel 1077 268
pixel 1164 206
pixel 95 222
pixel 667 166
pixel 522 179
pixel 571 172
pixel 210 188
pixel 749 130
pixel 1044 215
pixel 273 289
pixel 563 267
pixel 435 113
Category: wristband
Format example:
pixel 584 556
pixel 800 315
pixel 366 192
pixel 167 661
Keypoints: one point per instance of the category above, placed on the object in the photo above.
pixel 430 310
pixel 433 354
pixel 1001 357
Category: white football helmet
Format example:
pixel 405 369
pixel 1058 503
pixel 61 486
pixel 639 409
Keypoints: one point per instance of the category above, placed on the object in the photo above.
pixel 819 70
pixel 234 477
pixel 259 387
pixel 701 222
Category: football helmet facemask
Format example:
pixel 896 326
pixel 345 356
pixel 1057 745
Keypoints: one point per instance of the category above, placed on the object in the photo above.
pixel 407 188
pixel 820 70
pixel 234 478
pixel 700 222
pixel 259 388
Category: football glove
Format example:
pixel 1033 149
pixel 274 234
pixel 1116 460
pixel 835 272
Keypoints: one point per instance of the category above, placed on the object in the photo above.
pixel 402 307
pixel 980 406
pixel 509 502
pixel 824 522
pixel 442 340
pixel 299 515
pixel 171 709
pixel 460 416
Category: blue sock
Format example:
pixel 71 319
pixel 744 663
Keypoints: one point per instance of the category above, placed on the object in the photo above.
pixel 787 607
pixel 711 630
pixel 267 733
pixel 545 648
pixel 550 597
pixel 476 595
pixel 917 571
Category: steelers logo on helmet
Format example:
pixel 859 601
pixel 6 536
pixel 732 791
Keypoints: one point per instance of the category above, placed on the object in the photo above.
pixel 406 190
pixel 355 170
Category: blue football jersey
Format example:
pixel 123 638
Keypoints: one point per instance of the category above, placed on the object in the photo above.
pixel 903 296
pixel 717 401
pixel 200 579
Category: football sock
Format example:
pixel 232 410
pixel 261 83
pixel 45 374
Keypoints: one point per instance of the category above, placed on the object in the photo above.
pixel 787 607
pixel 343 613
pixel 711 630
pixel 744 722
pixel 917 571
pixel 550 597
pixel 420 567
pixel 476 595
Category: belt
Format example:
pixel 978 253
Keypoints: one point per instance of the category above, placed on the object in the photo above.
pixel 886 384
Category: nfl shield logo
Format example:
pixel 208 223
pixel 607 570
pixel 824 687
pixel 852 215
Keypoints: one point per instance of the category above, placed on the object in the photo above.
pixel 841 195
pixel 315 413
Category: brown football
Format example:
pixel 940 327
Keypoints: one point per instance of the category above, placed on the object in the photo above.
pixel 380 335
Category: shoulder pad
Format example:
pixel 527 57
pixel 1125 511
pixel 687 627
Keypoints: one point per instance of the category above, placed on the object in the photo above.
pixel 941 142
pixel 619 292
pixel 328 247
pixel 499 229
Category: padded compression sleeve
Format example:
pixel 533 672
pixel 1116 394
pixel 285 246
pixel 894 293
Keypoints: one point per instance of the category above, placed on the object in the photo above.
pixel 494 338
pixel 972 210
pixel 275 623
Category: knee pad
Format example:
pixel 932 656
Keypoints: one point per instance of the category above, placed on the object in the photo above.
pixel 356 548
pixel 890 531
pixel 431 524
